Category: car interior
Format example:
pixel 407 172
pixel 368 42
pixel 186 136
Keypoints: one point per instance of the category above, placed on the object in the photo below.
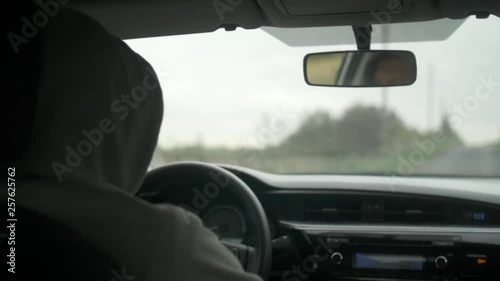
pixel 316 223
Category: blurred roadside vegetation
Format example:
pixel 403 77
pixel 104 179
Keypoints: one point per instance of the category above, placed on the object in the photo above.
pixel 365 139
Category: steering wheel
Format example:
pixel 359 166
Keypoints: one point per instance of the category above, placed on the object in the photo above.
pixel 253 259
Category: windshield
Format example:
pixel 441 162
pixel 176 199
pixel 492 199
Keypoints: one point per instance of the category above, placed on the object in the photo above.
pixel 240 98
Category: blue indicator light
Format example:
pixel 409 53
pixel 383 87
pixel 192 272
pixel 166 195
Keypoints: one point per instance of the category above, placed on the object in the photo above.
pixel 479 216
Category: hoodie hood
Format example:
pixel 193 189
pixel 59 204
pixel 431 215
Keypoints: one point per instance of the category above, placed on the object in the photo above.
pixel 98 111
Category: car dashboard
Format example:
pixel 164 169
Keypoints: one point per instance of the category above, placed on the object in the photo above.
pixel 346 227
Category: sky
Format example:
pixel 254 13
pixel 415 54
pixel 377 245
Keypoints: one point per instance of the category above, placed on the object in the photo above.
pixel 223 88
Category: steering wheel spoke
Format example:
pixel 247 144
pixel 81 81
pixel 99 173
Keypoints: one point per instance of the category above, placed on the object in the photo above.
pixel 245 254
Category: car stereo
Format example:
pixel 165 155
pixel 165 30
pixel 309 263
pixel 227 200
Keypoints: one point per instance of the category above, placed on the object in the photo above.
pixel 402 257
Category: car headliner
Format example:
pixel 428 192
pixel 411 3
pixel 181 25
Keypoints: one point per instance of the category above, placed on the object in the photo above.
pixel 148 18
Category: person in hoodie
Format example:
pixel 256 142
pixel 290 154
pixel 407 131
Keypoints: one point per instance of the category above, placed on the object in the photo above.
pixel 97 117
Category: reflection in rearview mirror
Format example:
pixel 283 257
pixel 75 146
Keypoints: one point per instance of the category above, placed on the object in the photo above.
pixel 361 69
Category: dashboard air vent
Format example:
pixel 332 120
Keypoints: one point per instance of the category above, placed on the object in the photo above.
pixel 414 212
pixel 317 209
pixel 373 210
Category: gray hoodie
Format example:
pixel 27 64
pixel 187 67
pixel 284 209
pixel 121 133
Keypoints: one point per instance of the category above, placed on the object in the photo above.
pixel 98 114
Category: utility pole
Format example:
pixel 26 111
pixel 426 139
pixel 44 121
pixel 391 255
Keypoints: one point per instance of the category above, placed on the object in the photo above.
pixel 430 97
pixel 384 36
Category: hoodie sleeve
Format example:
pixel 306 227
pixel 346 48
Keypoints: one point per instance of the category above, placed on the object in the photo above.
pixel 198 254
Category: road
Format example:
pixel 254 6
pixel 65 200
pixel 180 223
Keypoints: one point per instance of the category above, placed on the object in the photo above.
pixel 479 161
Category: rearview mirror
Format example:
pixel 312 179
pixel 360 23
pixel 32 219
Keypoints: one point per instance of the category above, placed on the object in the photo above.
pixel 360 69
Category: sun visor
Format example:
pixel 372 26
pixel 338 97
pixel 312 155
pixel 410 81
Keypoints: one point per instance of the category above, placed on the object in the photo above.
pixel 438 30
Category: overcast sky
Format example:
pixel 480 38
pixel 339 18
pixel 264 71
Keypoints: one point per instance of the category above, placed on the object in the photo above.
pixel 219 87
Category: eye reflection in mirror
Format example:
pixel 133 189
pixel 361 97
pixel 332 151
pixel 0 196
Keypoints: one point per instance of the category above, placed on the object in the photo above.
pixel 360 69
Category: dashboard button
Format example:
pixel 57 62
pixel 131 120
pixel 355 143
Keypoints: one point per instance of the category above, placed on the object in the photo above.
pixel 441 262
pixel 337 258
